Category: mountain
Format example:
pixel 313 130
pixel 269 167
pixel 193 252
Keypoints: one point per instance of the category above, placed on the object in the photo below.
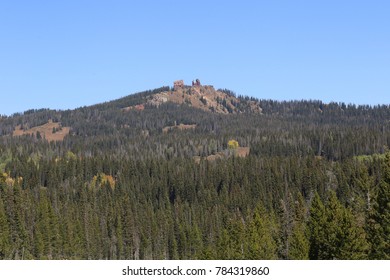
pixel 302 127
pixel 190 172
pixel 206 119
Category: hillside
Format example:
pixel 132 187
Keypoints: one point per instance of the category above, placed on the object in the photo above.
pixel 49 131
pixel 213 117
pixel 191 172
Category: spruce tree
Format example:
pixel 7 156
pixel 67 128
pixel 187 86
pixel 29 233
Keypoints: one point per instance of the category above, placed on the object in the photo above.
pixel 334 232
pixel 260 242
pixel 299 243
pixel 4 233
pixel 352 240
pixel 317 224
pixel 378 225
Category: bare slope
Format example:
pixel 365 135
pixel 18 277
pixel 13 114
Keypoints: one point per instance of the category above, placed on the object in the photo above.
pixel 51 131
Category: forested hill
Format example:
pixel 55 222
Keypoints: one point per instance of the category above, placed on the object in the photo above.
pixel 196 173
pixel 334 131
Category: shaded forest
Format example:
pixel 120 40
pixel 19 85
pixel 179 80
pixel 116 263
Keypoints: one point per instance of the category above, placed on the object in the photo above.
pixel 316 184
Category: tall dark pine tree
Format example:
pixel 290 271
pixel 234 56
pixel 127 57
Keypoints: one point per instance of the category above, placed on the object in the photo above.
pixel 334 232
pixel 378 225
pixel 317 225
pixel 260 244
pixel 299 243
pixel 4 232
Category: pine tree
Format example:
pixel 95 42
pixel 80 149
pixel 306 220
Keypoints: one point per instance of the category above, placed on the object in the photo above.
pixel 317 224
pixel 119 236
pixel 43 229
pixel 334 233
pixel 332 229
pixel 260 243
pixel 378 225
pixel 39 244
pixel 20 240
pixel 230 244
pixel 223 250
pixel 286 218
pixel 195 241
pixel 172 245
pixel 299 243
pixel 352 241
pixel 4 233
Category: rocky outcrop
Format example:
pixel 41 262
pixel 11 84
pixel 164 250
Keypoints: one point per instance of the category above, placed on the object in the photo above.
pixel 204 97
pixel 178 84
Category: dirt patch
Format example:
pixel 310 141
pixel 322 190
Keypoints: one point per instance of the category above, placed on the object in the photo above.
pixel 50 131
pixel 210 158
pixel 242 151
pixel 197 159
pixel 180 127
pixel 238 152
pixel 215 157
pixel 139 107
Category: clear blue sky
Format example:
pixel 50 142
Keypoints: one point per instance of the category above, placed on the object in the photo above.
pixel 66 54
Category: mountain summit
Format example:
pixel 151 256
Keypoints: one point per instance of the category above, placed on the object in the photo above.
pixel 200 96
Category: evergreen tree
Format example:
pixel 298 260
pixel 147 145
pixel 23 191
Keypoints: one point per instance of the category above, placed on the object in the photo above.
pixel 299 243
pixel 336 234
pixel 230 245
pixel 352 240
pixel 260 242
pixel 317 224
pixel 4 233
pixel 378 225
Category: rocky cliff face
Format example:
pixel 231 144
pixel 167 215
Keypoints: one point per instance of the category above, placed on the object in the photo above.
pixel 205 98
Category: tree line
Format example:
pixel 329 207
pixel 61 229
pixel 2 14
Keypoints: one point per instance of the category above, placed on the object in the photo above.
pixel 252 208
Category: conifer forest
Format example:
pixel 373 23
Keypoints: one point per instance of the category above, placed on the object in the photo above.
pixel 133 184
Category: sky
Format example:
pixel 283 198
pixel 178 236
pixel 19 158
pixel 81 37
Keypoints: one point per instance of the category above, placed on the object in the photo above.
pixel 67 54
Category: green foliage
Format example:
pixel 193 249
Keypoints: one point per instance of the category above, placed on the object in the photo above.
pixel 317 224
pixel 378 226
pixel 334 232
pixel 230 245
pixel 5 242
pixel 5 158
pixel 299 245
pixel 260 242
pixel 119 188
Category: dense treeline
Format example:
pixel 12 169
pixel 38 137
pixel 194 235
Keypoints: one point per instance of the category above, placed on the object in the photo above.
pixel 315 185
pixel 237 208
